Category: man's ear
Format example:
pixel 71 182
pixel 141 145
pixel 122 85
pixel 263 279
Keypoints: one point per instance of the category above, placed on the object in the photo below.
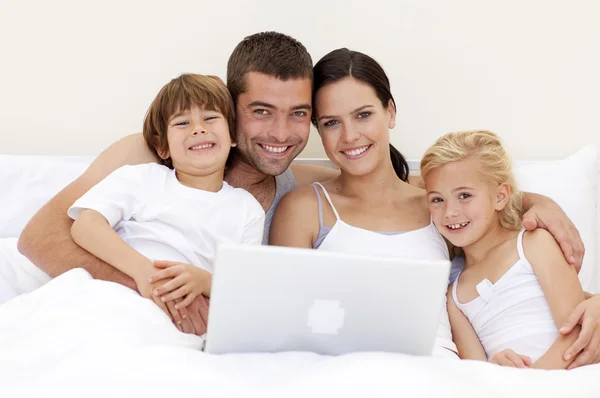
pixel 391 109
pixel 502 196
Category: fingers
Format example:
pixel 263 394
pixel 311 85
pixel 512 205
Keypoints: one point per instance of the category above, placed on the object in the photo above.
pixel 171 285
pixel 170 272
pixel 567 249
pixel 164 263
pixel 573 319
pixel 186 301
pixel 174 313
pixel 162 306
pixel 526 360
pixel 515 359
pixel 198 314
pixel 529 222
pixel 584 342
pixel 179 293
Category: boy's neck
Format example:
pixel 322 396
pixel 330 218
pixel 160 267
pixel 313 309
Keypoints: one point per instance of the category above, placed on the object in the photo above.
pixel 211 182
pixel 477 251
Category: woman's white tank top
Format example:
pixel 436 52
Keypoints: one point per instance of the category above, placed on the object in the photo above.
pixel 423 244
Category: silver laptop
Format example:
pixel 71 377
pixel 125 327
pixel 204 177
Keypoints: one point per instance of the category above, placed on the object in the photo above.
pixel 274 299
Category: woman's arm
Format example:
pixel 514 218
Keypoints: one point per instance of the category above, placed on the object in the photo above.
pixel 296 220
pixel 561 287
pixel 465 338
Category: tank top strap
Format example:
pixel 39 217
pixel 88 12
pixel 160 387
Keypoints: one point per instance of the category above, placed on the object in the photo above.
pixel 337 216
pixel 520 245
pixel 454 296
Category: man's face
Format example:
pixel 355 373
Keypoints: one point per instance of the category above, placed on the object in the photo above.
pixel 273 121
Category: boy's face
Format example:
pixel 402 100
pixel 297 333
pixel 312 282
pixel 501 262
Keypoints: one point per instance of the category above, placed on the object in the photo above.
pixel 463 205
pixel 272 121
pixel 199 141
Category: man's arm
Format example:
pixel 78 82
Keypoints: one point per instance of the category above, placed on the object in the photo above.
pixel 46 240
pixel 543 212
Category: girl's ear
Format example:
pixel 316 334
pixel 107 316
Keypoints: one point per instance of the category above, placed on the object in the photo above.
pixel 502 196
pixel 391 109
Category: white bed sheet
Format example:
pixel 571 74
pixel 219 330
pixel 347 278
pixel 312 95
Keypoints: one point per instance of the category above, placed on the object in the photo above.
pixel 80 336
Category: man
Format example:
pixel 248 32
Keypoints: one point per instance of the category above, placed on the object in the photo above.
pixel 269 76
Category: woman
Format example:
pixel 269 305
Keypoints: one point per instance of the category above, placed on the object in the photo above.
pixel 370 208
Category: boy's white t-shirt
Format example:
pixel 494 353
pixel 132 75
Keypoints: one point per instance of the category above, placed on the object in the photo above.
pixel 165 220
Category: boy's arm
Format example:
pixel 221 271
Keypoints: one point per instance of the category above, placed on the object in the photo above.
pixel 92 232
pixel 561 288
pixel 463 335
pixel 46 240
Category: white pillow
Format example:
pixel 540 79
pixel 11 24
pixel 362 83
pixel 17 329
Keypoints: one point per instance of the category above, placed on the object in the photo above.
pixel 27 183
pixel 573 184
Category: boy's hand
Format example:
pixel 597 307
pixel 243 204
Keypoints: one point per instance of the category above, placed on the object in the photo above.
pixel 146 288
pixel 512 359
pixel 188 282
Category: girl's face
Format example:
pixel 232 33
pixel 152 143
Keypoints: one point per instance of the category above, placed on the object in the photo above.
pixel 199 141
pixel 463 205
pixel 354 126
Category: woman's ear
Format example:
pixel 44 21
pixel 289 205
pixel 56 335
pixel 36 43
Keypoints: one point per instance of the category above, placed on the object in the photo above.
pixel 502 196
pixel 391 109
pixel 233 144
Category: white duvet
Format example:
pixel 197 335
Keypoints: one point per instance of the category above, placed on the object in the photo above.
pixel 77 336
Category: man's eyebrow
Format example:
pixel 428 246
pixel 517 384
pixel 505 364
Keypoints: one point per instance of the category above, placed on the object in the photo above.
pixel 302 107
pixel 360 108
pixel 260 103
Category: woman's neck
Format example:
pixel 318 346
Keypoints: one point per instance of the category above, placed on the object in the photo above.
pixel 377 184
pixel 477 251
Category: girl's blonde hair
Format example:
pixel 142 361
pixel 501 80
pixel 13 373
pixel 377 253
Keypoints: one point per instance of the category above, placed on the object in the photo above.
pixel 494 164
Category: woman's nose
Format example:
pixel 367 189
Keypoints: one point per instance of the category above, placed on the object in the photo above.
pixel 349 134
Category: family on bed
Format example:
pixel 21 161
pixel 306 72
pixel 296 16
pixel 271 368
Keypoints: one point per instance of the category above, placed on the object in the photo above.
pixel 214 164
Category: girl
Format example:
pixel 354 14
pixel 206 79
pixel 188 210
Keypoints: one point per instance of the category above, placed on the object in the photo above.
pixel 178 211
pixel 516 286
pixel 370 208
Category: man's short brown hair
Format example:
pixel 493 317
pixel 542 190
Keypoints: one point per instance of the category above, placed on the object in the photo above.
pixel 271 53
pixel 181 94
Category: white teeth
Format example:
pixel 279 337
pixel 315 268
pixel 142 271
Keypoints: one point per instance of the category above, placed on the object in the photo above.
pixel 357 151
pixel 457 226
pixel 203 146
pixel 274 149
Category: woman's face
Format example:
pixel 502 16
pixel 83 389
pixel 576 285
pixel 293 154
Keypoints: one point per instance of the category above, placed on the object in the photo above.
pixel 354 126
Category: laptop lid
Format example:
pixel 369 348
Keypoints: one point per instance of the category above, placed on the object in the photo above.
pixel 273 299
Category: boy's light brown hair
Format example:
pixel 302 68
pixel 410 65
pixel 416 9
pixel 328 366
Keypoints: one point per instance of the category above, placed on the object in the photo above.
pixel 181 94
pixel 271 53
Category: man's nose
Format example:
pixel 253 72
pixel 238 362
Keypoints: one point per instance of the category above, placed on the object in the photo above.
pixel 280 129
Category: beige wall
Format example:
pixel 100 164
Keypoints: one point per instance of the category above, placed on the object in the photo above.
pixel 75 76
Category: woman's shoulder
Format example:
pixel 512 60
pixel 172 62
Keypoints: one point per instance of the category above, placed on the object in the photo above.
pixel 301 196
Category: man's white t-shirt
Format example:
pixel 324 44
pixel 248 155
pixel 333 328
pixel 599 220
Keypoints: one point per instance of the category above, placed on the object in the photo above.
pixel 165 220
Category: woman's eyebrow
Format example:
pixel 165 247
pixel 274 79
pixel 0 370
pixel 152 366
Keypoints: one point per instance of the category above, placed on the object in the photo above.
pixel 360 108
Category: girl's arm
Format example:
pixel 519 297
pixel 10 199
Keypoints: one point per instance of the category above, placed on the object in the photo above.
pixel 561 287
pixel 296 221
pixel 465 338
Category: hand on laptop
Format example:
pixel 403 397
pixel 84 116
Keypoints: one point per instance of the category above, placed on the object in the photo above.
pixel 512 359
